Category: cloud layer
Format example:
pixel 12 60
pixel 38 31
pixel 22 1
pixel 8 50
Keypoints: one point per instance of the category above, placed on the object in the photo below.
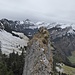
pixel 47 10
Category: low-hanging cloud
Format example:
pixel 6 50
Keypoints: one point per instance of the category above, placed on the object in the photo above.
pixel 47 10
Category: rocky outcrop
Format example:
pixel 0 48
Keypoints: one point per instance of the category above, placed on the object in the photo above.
pixel 39 60
pixel 64 43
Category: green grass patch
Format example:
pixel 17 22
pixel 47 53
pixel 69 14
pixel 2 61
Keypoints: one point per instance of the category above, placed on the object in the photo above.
pixel 72 58
pixel 69 70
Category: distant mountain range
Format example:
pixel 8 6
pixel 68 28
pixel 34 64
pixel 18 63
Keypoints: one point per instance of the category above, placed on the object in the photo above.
pixel 62 35
pixel 10 40
pixel 30 28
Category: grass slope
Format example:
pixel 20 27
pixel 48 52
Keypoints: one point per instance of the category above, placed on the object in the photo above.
pixel 72 58
pixel 69 70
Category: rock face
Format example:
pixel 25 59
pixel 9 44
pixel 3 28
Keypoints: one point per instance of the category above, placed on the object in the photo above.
pixel 39 59
pixel 64 44
pixel 1 26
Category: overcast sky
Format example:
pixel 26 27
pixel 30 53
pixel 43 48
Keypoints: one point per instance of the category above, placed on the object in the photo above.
pixel 38 10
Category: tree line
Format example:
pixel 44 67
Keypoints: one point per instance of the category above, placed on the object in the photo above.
pixel 12 64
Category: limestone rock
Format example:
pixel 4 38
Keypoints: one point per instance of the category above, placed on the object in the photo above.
pixel 38 61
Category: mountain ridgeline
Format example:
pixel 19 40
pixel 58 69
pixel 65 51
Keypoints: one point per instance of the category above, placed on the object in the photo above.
pixel 51 44
pixel 61 34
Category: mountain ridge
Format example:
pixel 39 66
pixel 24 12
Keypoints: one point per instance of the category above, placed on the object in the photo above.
pixel 64 33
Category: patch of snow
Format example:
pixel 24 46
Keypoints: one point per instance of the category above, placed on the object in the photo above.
pixel 33 27
pixel 71 31
pixel 59 69
pixel 21 22
pixel 39 23
pixel 73 26
pixel 42 24
pixel 10 42
pixel 21 35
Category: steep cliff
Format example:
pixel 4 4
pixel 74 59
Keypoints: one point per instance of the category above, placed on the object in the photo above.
pixel 39 58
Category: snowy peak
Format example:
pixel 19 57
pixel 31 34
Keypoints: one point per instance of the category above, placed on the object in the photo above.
pixel 29 28
pixel 41 24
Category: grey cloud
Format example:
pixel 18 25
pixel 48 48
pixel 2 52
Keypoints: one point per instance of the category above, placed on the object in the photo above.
pixel 54 10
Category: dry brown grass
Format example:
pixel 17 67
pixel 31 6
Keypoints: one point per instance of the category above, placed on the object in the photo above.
pixel 41 37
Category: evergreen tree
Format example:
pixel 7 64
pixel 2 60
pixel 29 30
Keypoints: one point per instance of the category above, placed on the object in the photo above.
pixel 12 64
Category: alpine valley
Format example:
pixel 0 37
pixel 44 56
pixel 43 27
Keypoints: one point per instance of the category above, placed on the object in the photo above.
pixel 50 43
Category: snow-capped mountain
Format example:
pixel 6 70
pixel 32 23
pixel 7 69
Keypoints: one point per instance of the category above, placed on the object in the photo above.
pixel 8 42
pixel 29 28
pixel 70 27
pixel 62 37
